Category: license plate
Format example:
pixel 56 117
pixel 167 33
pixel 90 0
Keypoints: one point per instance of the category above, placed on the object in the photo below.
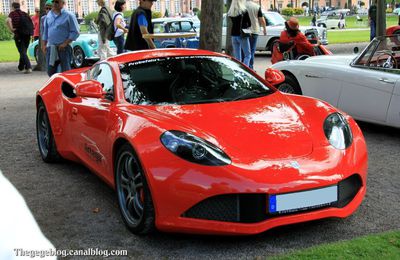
pixel 303 200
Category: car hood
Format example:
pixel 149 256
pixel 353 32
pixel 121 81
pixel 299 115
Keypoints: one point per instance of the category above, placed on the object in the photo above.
pixel 331 59
pixel 269 127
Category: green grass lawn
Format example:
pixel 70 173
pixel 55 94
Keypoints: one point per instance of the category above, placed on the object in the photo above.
pixel 338 36
pixel 381 246
pixel 8 51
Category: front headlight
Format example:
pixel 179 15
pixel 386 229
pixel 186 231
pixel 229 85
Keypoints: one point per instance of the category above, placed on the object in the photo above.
pixel 337 131
pixel 194 149
pixel 92 43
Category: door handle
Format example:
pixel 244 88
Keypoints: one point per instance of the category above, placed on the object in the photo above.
pixel 387 81
pixel 74 111
pixel 313 76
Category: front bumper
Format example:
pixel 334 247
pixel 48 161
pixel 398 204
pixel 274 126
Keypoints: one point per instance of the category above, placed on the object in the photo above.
pixel 179 189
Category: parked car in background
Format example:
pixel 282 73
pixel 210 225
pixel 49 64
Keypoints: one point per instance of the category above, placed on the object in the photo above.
pixel 84 48
pixel 367 86
pixel 275 25
pixel 330 22
pixel 176 25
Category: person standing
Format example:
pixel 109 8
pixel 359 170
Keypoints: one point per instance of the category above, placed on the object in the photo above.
pixel 240 36
pixel 20 24
pixel 372 20
pixel 48 6
pixel 36 27
pixel 257 19
pixel 104 20
pixel 60 28
pixel 140 24
pixel 119 25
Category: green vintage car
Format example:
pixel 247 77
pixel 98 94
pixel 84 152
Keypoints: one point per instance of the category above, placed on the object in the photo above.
pixel 84 48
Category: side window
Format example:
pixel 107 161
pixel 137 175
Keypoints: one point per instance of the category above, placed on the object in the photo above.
pixel 174 27
pixel 103 74
pixel 186 27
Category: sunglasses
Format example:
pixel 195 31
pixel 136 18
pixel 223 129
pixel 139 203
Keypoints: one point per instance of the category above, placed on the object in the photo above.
pixel 48 8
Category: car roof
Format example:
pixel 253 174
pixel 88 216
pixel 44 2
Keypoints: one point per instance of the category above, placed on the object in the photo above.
pixel 160 53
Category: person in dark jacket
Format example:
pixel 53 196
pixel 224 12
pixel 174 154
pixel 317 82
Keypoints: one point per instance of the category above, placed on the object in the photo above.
pixel 21 39
pixel 140 24
pixel 103 20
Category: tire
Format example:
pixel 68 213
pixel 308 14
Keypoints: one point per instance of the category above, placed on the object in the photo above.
pixel 45 138
pixel 290 86
pixel 78 57
pixel 36 53
pixel 133 194
pixel 396 32
pixel 270 45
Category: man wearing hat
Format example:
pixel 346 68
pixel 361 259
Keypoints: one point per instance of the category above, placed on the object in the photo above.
pixel 140 24
pixel 293 34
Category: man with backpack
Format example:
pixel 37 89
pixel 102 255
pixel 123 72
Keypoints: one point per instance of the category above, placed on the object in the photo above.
pixel 20 24
pixel 106 30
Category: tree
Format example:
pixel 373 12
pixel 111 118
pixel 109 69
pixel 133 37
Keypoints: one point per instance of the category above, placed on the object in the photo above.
pixel 211 24
pixel 380 18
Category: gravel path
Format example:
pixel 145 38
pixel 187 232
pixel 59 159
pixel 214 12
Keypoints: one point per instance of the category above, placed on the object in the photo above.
pixel 63 196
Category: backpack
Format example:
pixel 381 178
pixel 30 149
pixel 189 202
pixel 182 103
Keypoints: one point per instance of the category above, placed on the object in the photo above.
pixel 110 30
pixel 25 25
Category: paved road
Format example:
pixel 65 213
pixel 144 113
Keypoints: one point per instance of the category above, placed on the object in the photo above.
pixel 62 196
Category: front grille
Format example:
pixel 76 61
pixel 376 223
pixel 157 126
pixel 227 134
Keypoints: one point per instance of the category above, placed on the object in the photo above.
pixel 244 208
pixel 253 207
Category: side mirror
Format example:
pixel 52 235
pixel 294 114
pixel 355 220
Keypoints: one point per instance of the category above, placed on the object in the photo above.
pixel 89 88
pixel 274 77
pixel 355 50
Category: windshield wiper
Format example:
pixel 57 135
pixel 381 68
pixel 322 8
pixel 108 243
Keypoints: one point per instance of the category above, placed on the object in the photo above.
pixel 254 93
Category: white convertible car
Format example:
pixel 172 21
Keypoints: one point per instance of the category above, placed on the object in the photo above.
pixel 366 86
pixel 275 25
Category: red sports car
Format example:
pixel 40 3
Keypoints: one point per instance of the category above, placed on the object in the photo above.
pixel 194 141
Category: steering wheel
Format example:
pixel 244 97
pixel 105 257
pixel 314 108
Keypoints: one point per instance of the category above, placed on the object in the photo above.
pixel 182 91
pixel 390 63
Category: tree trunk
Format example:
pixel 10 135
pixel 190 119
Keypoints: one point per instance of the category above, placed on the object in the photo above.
pixel 211 25
pixel 41 62
pixel 228 43
pixel 381 18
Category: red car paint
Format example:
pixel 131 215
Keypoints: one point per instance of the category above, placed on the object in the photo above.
pixel 262 136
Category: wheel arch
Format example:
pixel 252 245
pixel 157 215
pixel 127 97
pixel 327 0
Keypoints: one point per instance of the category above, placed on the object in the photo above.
pixel 271 42
pixel 290 74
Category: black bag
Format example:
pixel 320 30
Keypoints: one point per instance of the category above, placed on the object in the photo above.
pixel 25 25
pixel 244 31
pixel 110 31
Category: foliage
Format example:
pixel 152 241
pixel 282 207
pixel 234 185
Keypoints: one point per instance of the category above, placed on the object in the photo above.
pixel 4 32
pixel 128 13
pixel 362 4
pixel 287 11
pixel 90 16
pixel 289 5
pixel 298 11
pixel 156 14
pixel 389 10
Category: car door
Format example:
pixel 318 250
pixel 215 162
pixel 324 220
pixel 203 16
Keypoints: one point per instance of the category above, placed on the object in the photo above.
pixel 93 121
pixel 368 87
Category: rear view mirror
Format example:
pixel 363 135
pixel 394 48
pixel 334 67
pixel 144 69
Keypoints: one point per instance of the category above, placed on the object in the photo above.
pixel 355 50
pixel 89 88
pixel 274 77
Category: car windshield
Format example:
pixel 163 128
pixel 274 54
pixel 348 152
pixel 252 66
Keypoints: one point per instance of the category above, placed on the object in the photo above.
pixel 383 53
pixel 274 19
pixel 189 80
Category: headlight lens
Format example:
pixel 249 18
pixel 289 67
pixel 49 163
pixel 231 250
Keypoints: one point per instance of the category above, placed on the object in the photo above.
pixel 194 149
pixel 337 131
pixel 92 43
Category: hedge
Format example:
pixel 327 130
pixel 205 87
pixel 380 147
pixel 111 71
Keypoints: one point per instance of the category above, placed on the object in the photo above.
pixel 5 34
pixel 287 11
